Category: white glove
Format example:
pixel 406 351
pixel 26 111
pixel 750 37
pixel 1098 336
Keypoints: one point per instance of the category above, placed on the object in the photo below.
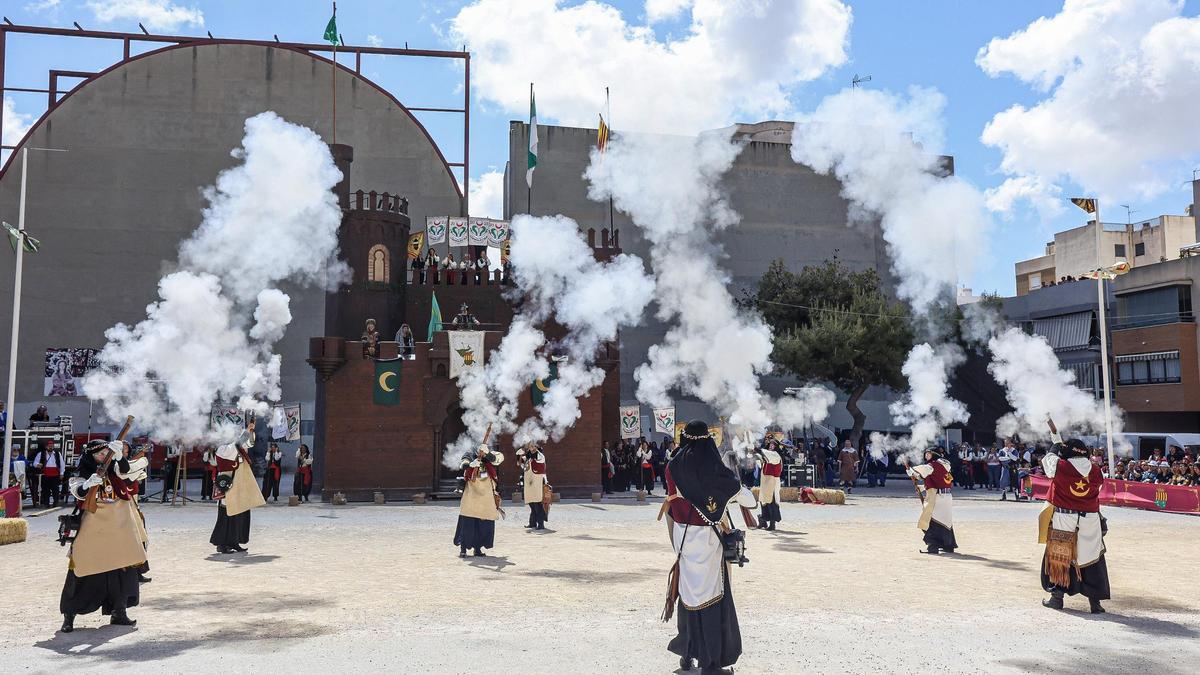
pixel 92 482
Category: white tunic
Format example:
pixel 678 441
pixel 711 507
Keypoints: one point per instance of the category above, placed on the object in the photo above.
pixel 938 507
pixel 1089 542
pixel 701 560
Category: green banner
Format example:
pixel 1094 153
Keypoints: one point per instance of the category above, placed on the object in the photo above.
pixel 541 386
pixel 387 382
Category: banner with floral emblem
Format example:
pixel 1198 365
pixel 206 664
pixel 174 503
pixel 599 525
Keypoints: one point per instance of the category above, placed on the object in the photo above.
pixel 457 231
pixel 435 229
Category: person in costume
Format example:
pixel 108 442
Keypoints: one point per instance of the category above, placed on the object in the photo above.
pixel 138 462
pixel 606 469
pixel 644 458
pixel 771 465
pixel 236 493
pixel 109 547
pixel 270 481
pixel 480 505
pixel 209 461
pixel 532 462
pixel 700 488
pixel 935 481
pixel 1072 527
pixel 302 485
pixel 848 466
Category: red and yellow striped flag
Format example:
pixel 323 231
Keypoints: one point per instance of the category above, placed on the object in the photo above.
pixel 602 136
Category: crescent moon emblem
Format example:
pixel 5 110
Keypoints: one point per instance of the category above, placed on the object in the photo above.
pixel 383 381
pixel 541 385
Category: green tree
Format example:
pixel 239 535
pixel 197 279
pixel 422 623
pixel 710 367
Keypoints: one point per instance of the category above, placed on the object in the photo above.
pixel 838 326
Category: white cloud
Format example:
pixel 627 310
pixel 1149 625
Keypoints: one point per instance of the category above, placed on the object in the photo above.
pixel 1046 198
pixel 374 40
pixel 42 6
pixel 15 126
pixel 155 14
pixel 736 59
pixel 1122 78
pixel 663 10
pixel 487 195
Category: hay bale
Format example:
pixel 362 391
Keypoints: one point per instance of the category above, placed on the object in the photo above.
pixel 829 496
pixel 13 530
pixel 380 499
pixel 339 499
pixel 789 494
pixel 596 496
pixel 419 498
pixel 641 495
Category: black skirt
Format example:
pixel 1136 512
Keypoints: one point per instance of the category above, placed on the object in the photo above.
pixel 1092 581
pixel 940 536
pixel 106 591
pixel 770 512
pixel 230 531
pixel 474 533
pixel 710 635
pixel 537 513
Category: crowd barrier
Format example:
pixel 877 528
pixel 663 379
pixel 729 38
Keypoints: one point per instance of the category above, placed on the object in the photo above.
pixel 1148 496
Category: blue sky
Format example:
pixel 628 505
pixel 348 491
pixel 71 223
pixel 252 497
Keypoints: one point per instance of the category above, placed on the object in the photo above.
pixel 932 43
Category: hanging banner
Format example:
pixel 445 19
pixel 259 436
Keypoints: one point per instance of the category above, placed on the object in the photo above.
pixel 435 229
pixel 466 350
pixel 230 416
pixel 477 231
pixel 664 420
pixel 497 232
pixel 505 250
pixel 65 368
pixel 387 382
pixel 631 421
pixel 292 413
pixel 457 232
pixel 415 243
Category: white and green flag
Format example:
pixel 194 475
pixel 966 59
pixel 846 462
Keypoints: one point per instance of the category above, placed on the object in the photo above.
pixel 531 158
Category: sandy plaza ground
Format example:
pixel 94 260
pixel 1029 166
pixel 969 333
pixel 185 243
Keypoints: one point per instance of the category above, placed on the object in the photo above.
pixel 366 588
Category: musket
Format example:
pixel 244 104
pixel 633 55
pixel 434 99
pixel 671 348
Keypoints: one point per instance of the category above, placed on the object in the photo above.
pixel 89 502
pixel 916 486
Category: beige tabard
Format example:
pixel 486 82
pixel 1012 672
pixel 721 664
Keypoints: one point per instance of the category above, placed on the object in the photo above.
pixel 479 500
pixel 109 539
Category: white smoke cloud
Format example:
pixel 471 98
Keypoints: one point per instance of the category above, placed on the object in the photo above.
pixel 16 125
pixel 487 195
pixel 559 279
pixel 155 14
pixel 733 58
pixel 1122 78
pixel 927 406
pixel 712 350
pixel 197 344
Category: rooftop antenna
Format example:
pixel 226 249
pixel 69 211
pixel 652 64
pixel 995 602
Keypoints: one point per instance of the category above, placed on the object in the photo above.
pixel 1128 213
pixel 854 84
pixel 144 31
pixel 77 26
pixel 210 37
pixel 6 20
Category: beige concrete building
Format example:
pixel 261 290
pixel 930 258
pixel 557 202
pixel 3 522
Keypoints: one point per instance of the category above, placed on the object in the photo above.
pixel 1073 252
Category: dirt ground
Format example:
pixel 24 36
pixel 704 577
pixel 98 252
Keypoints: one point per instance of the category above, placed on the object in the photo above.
pixel 836 589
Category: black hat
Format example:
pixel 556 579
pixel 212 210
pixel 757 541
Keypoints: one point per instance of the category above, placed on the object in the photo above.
pixel 1074 446
pixel 700 475
pixel 937 452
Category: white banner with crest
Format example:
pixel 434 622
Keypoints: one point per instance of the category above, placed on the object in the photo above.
pixel 631 421
pixel 435 229
pixel 664 420
pixel 466 350
pixel 457 231
pixel 477 232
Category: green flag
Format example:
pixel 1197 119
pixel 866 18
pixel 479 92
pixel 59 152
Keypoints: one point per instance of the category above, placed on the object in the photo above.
pixel 435 318
pixel 27 242
pixel 531 156
pixel 542 385
pixel 387 382
pixel 331 34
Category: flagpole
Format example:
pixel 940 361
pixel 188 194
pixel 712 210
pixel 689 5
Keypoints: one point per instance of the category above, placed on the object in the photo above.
pixel 333 80
pixel 16 322
pixel 528 142
pixel 1101 300
pixel 608 110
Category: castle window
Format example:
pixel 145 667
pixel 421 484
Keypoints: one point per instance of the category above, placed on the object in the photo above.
pixel 377 264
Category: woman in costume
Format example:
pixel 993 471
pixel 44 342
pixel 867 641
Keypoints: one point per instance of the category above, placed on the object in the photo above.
pixel 937 517
pixel 302 485
pixel 533 467
pixel 771 463
pixel 645 467
pixel 209 461
pixel 236 492
pixel 480 505
pixel 109 547
pixel 700 487
pixel 1072 528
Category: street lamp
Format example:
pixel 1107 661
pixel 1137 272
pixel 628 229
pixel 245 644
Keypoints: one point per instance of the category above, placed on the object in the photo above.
pixel 21 242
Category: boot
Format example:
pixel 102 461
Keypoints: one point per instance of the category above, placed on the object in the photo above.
pixel 462 551
pixel 238 548
pixel 713 670
pixel 1055 601
pixel 686 663
pixel 224 550
pixel 68 623
pixel 478 552
pixel 771 526
pixel 143 579
pixel 120 618
pixel 1095 606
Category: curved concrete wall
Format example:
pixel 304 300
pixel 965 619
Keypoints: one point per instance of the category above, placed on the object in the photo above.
pixel 143 139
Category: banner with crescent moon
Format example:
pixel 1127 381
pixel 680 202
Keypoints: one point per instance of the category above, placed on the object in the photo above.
pixel 435 230
pixel 387 382
pixel 477 231
pixel 542 385
pixel 457 231
pixel 664 420
pixel 631 421
pixel 497 232
pixel 466 350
